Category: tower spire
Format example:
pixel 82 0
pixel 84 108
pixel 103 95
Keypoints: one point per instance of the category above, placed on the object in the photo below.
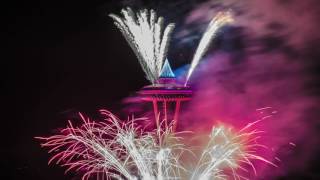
pixel 166 71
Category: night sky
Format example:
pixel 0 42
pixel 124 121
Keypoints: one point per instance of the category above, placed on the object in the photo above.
pixel 63 57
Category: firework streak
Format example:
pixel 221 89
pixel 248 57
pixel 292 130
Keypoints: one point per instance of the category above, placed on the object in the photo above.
pixel 115 149
pixel 216 23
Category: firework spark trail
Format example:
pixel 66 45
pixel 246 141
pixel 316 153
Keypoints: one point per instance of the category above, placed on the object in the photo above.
pixel 112 149
pixel 145 35
pixel 228 150
pixel 216 23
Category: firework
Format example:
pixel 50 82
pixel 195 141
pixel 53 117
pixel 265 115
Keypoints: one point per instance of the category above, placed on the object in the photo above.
pixel 228 150
pixel 116 149
pixel 147 37
pixel 113 149
pixel 216 23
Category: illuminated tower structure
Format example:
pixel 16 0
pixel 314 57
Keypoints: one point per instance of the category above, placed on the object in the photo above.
pixel 166 97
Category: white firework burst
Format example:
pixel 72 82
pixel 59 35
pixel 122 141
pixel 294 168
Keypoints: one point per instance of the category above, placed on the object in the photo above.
pixel 147 37
pixel 229 150
pixel 114 149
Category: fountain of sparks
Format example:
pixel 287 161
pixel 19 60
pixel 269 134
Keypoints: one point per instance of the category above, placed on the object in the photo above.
pixel 147 37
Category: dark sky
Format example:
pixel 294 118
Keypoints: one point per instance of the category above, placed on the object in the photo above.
pixel 63 57
pixel 66 56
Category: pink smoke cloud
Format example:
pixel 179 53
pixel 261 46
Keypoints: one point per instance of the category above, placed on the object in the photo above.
pixel 231 94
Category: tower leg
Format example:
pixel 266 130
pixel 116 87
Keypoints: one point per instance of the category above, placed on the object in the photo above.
pixel 156 113
pixel 165 116
pixel 176 115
